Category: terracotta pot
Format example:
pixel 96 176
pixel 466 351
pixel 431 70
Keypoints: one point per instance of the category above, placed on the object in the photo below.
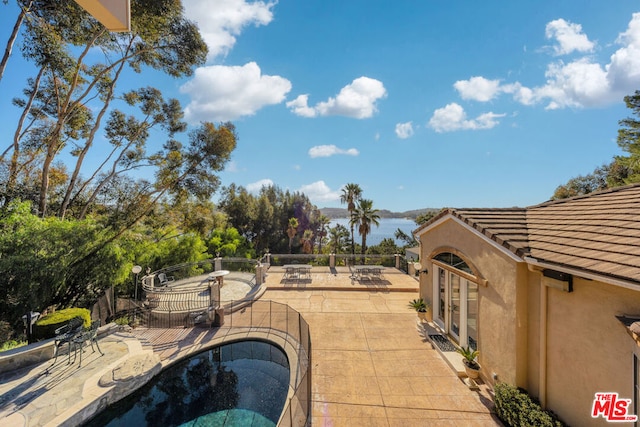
pixel 422 315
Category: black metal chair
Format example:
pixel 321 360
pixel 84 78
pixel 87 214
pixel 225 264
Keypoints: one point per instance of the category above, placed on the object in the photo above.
pixel 92 336
pixel 65 335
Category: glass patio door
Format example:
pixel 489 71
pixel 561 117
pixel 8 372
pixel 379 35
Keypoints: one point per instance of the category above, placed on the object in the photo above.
pixel 454 307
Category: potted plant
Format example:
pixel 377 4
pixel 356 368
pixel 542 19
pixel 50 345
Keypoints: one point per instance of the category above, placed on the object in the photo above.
pixel 471 366
pixel 421 307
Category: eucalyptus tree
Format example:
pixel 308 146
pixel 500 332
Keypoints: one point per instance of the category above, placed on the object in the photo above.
pixel 240 207
pixel 66 102
pixel 24 9
pixel 629 141
pixel 622 170
pixel 265 223
pixel 351 193
pixel 364 217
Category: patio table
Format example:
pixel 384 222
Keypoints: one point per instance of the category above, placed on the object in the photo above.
pixel 292 271
pixel 219 276
pixel 366 270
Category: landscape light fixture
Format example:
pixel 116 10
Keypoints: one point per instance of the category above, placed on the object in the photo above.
pixel 135 270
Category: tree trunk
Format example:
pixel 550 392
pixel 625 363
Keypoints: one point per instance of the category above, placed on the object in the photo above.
pixel 13 167
pixel 90 139
pixel 12 40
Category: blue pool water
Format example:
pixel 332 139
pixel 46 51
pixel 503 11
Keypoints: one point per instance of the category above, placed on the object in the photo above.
pixel 239 384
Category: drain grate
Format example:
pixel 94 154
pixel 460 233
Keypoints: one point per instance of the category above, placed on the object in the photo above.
pixel 442 342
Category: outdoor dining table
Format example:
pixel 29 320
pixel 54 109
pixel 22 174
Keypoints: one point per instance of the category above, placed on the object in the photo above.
pixel 218 275
pixel 366 270
pixel 296 270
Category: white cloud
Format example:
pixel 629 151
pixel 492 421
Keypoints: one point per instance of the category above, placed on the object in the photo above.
pixel 576 84
pixel 521 94
pixel 255 187
pixel 581 83
pixel 220 93
pixel 452 117
pixel 330 150
pixel 569 36
pixel 357 100
pixel 300 106
pixel 478 88
pixel 623 72
pixel 319 192
pixel 404 130
pixel 221 22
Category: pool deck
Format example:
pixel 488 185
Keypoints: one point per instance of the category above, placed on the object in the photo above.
pixel 372 365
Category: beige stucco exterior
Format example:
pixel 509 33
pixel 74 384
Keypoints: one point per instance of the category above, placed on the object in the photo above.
pixel 562 347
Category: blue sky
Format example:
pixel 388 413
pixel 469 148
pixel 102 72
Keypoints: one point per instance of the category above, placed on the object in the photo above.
pixel 421 103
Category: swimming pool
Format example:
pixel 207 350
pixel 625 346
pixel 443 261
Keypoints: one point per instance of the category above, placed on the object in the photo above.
pixel 243 383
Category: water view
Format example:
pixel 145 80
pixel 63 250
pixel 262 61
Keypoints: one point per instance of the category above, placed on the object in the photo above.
pixel 387 229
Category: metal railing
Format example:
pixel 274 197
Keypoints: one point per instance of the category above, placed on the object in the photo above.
pixel 268 316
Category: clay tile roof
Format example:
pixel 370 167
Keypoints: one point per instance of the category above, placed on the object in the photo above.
pixel 598 233
pixel 507 227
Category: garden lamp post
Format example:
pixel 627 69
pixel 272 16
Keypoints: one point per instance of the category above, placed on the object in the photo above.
pixel 135 270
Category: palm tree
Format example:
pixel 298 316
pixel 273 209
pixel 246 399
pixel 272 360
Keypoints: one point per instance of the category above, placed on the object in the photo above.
pixel 350 195
pixel 323 222
pixel 292 230
pixel 365 215
pixel 338 238
pixel 307 247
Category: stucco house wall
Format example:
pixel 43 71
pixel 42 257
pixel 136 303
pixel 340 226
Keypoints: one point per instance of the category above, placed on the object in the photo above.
pixel 588 349
pixel 502 301
pixel 562 345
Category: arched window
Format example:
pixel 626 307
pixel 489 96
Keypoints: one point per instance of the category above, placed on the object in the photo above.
pixel 454 261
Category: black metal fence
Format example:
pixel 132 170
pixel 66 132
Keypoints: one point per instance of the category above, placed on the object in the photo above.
pixel 351 260
pixel 282 259
pixel 268 316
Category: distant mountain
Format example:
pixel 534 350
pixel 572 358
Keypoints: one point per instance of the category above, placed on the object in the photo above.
pixel 384 213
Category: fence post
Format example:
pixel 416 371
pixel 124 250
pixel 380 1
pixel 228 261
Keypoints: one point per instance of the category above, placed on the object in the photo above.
pixel 259 274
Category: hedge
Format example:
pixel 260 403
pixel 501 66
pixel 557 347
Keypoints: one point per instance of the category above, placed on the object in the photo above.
pixel 45 327
pixel 516 409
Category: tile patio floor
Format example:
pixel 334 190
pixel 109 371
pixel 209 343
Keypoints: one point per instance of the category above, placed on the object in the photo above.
pixel 371 366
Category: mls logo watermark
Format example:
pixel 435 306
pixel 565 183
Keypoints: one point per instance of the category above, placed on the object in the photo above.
pixel 612 408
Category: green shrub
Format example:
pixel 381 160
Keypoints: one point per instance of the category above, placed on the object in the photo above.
pixel 516 409
pixel 124 320
pixel 11 344
pixel 46 326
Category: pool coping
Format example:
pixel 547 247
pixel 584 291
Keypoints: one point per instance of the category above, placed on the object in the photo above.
pixel 96 396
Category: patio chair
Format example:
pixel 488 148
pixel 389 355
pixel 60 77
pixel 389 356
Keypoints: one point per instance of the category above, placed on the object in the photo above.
pixel 91 336
pixel 164 280
pixel 65 335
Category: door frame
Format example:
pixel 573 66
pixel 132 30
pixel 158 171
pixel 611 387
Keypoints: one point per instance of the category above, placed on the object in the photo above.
pixel 443 279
